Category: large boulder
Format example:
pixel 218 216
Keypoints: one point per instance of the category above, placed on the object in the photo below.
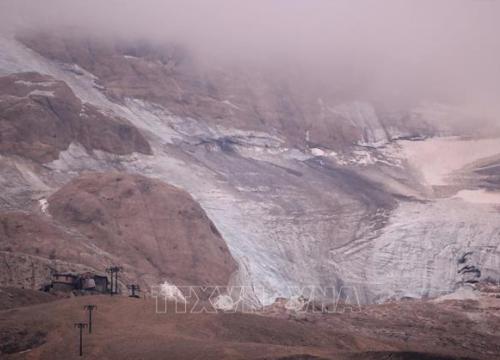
pixel 154 231
pixel 157 230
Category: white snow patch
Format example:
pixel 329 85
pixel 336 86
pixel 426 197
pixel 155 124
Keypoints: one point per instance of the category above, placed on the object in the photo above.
pixel 356 158
pixel 257 189
pixel 479 196
pixel 171 292
pixel 318 152
pixel 362 157
pixel 44 205
pixel 439 157
pixel 230 104
pixel 42 93
pixel 223 302
pixel 392 154
pixel 30 83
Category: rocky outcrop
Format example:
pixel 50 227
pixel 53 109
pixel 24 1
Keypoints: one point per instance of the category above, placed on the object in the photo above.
pixel 159 231
pixel 155 231
pixel 40 117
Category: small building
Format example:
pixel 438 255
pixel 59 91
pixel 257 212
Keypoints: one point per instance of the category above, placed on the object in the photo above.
pixel 87 282
pixel 94 282
pixel 64 281
pixel 101 283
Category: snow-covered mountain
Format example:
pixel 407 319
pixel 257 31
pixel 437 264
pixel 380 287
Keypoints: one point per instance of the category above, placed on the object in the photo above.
pixel 307 187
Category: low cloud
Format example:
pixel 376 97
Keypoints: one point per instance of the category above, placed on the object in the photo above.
pixel 391 49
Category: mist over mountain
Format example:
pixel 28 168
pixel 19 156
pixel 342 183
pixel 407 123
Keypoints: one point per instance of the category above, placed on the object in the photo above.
pixel 395 51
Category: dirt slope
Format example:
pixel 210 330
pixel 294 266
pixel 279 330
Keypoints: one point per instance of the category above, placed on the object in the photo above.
pixel 127 328
pixel 11 297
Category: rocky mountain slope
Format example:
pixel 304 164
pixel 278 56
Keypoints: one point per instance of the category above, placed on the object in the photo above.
pixel 155 228
pixel 41 117
pixel 151 229
pixel 307 186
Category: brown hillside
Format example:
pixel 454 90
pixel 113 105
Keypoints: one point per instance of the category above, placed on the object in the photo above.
pixel 155 231
pixel 125 328
pixel 158 230
pixel 41 116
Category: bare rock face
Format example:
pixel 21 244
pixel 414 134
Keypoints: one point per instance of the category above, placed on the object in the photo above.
pixel 157 229
pixel 41 116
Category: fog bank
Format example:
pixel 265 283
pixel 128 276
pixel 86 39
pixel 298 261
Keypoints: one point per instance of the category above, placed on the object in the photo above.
pixel 443 50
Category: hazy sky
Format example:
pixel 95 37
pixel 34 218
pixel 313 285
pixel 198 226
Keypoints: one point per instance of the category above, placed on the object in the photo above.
pixel 447 47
